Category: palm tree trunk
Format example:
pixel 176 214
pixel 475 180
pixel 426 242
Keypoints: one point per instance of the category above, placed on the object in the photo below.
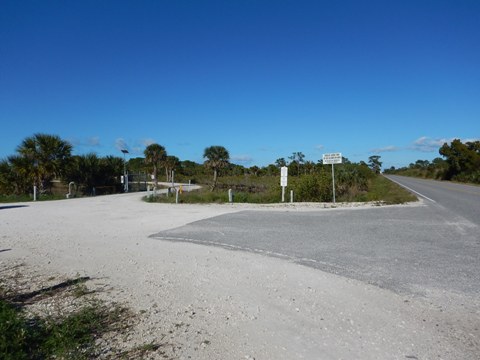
pixel 214 179
pixel 155 178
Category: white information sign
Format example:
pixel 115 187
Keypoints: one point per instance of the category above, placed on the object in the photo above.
pixel 283 180
pixel 283 176
pixel 332 158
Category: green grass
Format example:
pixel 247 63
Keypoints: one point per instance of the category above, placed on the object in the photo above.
pixel 60 334
pixel 71 337
pixel 205 196
pixel 383 190
pixel 246 189
pixel 379 189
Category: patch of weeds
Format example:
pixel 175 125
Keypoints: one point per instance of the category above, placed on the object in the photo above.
pixel 70 337
pixel 90 329
pixel 80 289
pixel 16 336
pixel 384 191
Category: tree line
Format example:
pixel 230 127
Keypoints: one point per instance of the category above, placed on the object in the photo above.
pixel 43 159
pixel 460 162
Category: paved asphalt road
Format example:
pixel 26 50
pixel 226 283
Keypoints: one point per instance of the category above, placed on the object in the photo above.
pixel 462 200
pixel 432 246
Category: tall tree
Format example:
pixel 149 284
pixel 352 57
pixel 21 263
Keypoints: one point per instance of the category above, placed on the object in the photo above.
pixel 155 155
pixel 47 157
pixel 375 163
pixel 281 162
pixel 298 159
pixel 216 158
pixel 171 163
pixel 463 159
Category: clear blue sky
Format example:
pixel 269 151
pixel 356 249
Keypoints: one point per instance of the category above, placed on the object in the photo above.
pixel 262 78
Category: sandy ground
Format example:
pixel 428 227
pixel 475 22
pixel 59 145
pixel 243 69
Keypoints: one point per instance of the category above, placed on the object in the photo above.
pixel 212 303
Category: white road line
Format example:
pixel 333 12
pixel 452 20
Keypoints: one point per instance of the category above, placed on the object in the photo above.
pixel 409 189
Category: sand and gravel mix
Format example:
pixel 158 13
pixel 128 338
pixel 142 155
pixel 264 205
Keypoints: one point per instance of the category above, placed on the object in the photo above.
pixel 211 303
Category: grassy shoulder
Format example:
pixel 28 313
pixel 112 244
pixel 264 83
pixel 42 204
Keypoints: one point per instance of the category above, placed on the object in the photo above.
pixel 266 190
pixel 62 320
pixel 386 191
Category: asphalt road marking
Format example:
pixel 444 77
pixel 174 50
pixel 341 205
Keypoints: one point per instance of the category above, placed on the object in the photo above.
pixel 410 189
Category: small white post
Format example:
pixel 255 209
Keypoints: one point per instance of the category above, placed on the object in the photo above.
pixel 291 196
pixel 34 193
pixel 176 196
pixel 189 184
pixel 230 196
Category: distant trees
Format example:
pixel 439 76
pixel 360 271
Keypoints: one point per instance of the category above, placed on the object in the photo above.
pixel 90 172
pixel 297 160
pixel 155 155
pixel 280 162
pixel 47 156
pixel 461 163
pixel 463 160
pixel 216 158
pixel 375 163
pixel 171 163
pixel 13 176
pixel 40 159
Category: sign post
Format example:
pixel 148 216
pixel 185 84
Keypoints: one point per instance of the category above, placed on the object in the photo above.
pixel 333 158
pixel 283 180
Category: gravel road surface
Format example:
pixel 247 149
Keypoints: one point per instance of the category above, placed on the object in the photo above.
pixel 209 302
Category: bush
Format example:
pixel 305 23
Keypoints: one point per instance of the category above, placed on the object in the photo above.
pixel 313 188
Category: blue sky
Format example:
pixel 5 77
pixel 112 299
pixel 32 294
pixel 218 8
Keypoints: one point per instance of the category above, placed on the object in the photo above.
pixel 262 78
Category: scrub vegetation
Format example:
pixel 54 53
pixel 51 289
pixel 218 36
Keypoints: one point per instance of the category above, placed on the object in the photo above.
pixel 45 161
pixel 65 320
pixel 461 163
pixel 353 183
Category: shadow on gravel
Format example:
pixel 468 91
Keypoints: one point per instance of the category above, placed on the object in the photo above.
pixel 3 250
pixel 7 207
pixel 27 297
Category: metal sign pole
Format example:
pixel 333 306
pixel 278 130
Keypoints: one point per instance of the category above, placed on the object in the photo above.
pixel 333 158
pixel 333 183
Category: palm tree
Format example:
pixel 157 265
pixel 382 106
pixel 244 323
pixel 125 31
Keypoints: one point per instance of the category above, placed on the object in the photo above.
pixel 47 157
pixel 171 162
pixel 155 155
pixel 112 166
pixel 217 157
pixel 14 175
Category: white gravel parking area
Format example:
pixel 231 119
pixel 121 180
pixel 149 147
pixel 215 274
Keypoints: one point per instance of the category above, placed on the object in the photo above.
pixel 212 303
